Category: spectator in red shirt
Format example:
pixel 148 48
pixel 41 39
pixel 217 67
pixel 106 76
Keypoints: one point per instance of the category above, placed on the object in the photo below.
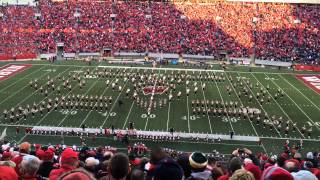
pixel 68 162
pixel 8 173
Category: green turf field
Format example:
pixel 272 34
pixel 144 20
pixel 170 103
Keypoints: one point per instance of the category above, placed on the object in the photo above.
pixel 300 104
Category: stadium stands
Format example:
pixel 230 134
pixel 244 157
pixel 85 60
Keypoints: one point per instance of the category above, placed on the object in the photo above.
pixel 273 31
pixel 60 162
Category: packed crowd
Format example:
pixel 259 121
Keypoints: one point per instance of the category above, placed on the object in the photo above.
pixel 30 162
pixel 278 31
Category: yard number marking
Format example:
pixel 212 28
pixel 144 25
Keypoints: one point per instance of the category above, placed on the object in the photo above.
pixel 193 117
pixel 233 119
pixel 145 116
pixel 66 111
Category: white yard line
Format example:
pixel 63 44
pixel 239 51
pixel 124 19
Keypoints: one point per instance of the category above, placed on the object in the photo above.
pixel 240 101
pixel 277 103
pixel 189 69
pixel 20 140
pixel 67 115
pixel 178 69
pixel 224 105
pixel 20 79
pixel 243 138
pixel 168 116
pixel 294 102
pixel 36 91
pixel 300 92
pixel 126 120
pixel 260 105
pixel 114 103
pixel 188 117
pixel 88 114
pixel 154 86
pixel 205 103
pixel 58 103
pixel 21 89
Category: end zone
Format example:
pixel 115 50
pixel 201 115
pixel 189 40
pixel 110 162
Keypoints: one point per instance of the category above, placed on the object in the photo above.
pixel 312 81
pixel 12 69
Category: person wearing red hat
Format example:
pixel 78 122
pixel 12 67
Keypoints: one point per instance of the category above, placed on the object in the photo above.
pixel 68 162
pixel 47 163
pixel 6 159
pixel 276 173
pixel 255 170
pixel 40 153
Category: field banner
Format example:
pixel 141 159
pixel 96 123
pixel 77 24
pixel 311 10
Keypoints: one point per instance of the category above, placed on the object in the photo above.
pixel 307 68
pixel 12 69
pixel 313 81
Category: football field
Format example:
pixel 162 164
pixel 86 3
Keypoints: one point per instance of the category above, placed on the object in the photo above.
pixel 213 102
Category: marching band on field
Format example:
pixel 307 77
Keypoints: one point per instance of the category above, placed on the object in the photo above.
pixel 148 82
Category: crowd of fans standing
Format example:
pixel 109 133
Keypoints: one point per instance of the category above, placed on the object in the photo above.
pixel 273 31
pixel 31 162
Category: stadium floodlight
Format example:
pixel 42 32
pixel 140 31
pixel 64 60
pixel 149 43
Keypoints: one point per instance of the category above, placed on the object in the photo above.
pixel 76 14
pixel 297 21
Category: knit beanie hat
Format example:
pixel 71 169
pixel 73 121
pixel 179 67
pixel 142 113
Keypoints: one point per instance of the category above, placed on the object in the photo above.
pixel 255 170
pixel 198 160
pixel 168 169
pixel 276 173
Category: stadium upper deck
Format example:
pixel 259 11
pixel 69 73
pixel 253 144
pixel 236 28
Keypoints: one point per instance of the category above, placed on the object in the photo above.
pixel 273 31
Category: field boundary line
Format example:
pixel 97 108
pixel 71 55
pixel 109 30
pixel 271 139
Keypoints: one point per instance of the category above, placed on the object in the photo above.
pixel 205 103
pixel 20 79
pixel 188 110
pixel 168 116
pixel 22 89
pixel 223 136
pixel 104 91
pixel 231 71
pixel 248 118
pixel 36 91
pixel 294 102
pixel 285 113
pixel 175 141
pixel 58 103
pixel 114 103
pixel 126 120
pixel 67 115
pixel 216 84
pixel 300 92
pixel 260 105
pixel 154 86
pixel 165 69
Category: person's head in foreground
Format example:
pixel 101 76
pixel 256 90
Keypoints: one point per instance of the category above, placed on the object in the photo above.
pixel 118 167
